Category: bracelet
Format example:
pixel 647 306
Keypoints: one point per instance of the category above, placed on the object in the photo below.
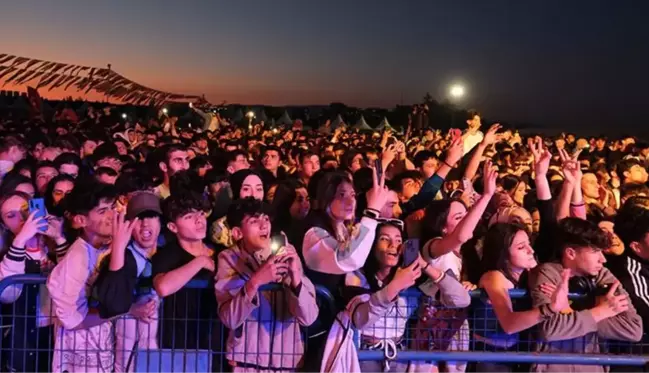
pixel 577 204
pixel 440 278
pixel 65 243
pixel 446 163
pixel 373 210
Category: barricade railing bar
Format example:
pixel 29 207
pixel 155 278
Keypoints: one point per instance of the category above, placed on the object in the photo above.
pixel 196 344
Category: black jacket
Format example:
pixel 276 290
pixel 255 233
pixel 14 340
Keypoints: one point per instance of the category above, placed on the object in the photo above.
pixel 633 273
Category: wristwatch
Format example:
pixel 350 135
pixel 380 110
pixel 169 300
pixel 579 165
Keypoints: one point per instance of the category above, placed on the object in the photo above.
pixel 371 213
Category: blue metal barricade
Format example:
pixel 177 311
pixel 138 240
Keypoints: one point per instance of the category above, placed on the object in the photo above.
pixel 187 336
pixel 420 329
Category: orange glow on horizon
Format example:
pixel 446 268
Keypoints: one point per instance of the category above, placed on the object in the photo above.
pixel 233 95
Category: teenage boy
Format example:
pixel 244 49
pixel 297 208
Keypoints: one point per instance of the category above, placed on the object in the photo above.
pixel 606 313
pixel 135 240
pixel 252 314
pixel 83 339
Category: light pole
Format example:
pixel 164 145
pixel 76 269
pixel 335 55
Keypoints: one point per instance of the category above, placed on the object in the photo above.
pixel 457 92
pixel 250 115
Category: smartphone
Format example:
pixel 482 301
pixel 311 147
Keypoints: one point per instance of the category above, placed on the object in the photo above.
pixel 277 242
pixel 38 205
pixel 379 169
pixel 410 251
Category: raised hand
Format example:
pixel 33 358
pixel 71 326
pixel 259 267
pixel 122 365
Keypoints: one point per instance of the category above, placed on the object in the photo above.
pixel 491 137
pixel 54 227
pixel 455 152
pixel 571 167
pixel 406 277
pixel 604 195
pixel 292 260
pixel 489 177
pixel 400 147
pixel 122 231
pixel 273 270
pixel 389 154
pixel 31 227
pixel 541 154
pixel 378 195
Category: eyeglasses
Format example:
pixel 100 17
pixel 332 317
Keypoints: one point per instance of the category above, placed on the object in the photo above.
pixel 396 222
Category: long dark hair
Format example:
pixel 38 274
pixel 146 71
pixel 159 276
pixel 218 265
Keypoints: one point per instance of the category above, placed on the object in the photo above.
pixel 6 235
pixel 371 267
pixel 284 197
pixel 54 208
pixel 495 250
pixel 435 218
pixel 347 159
pixel 325 195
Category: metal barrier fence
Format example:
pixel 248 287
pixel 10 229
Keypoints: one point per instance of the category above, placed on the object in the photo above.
pixel 187 336
pixel 425 332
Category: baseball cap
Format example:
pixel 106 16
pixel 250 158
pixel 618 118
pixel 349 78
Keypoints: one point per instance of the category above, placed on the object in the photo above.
pixel 142 202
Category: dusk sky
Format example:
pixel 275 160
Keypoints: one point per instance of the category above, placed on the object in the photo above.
pixel 554 63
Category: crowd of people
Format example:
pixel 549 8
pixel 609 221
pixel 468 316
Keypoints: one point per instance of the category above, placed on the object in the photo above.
pixel 134 200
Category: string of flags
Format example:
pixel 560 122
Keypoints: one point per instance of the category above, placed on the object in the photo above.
pixel 51 75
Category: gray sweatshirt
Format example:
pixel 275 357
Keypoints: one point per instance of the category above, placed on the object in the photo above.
pixel 577 331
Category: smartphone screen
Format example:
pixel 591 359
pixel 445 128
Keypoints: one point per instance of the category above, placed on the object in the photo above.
pixel 38 205
pixel 410 251
pixel 277 242
pixel 379 169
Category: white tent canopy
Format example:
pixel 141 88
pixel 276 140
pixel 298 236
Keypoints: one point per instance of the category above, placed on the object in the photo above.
pixel 384 125
pixel 362 125
pixel 285 120
pixel 337 122
pixel 262 116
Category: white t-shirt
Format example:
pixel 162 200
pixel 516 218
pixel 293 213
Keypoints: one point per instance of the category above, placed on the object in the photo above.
pixel 445 262
pixel 471 140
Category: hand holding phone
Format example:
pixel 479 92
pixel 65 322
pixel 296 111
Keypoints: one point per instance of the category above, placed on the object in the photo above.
pixel 410 252
pixel 37 206
pixel 34 223
pixel 277 243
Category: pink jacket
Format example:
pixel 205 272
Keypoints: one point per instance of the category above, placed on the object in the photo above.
pixel 264 327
